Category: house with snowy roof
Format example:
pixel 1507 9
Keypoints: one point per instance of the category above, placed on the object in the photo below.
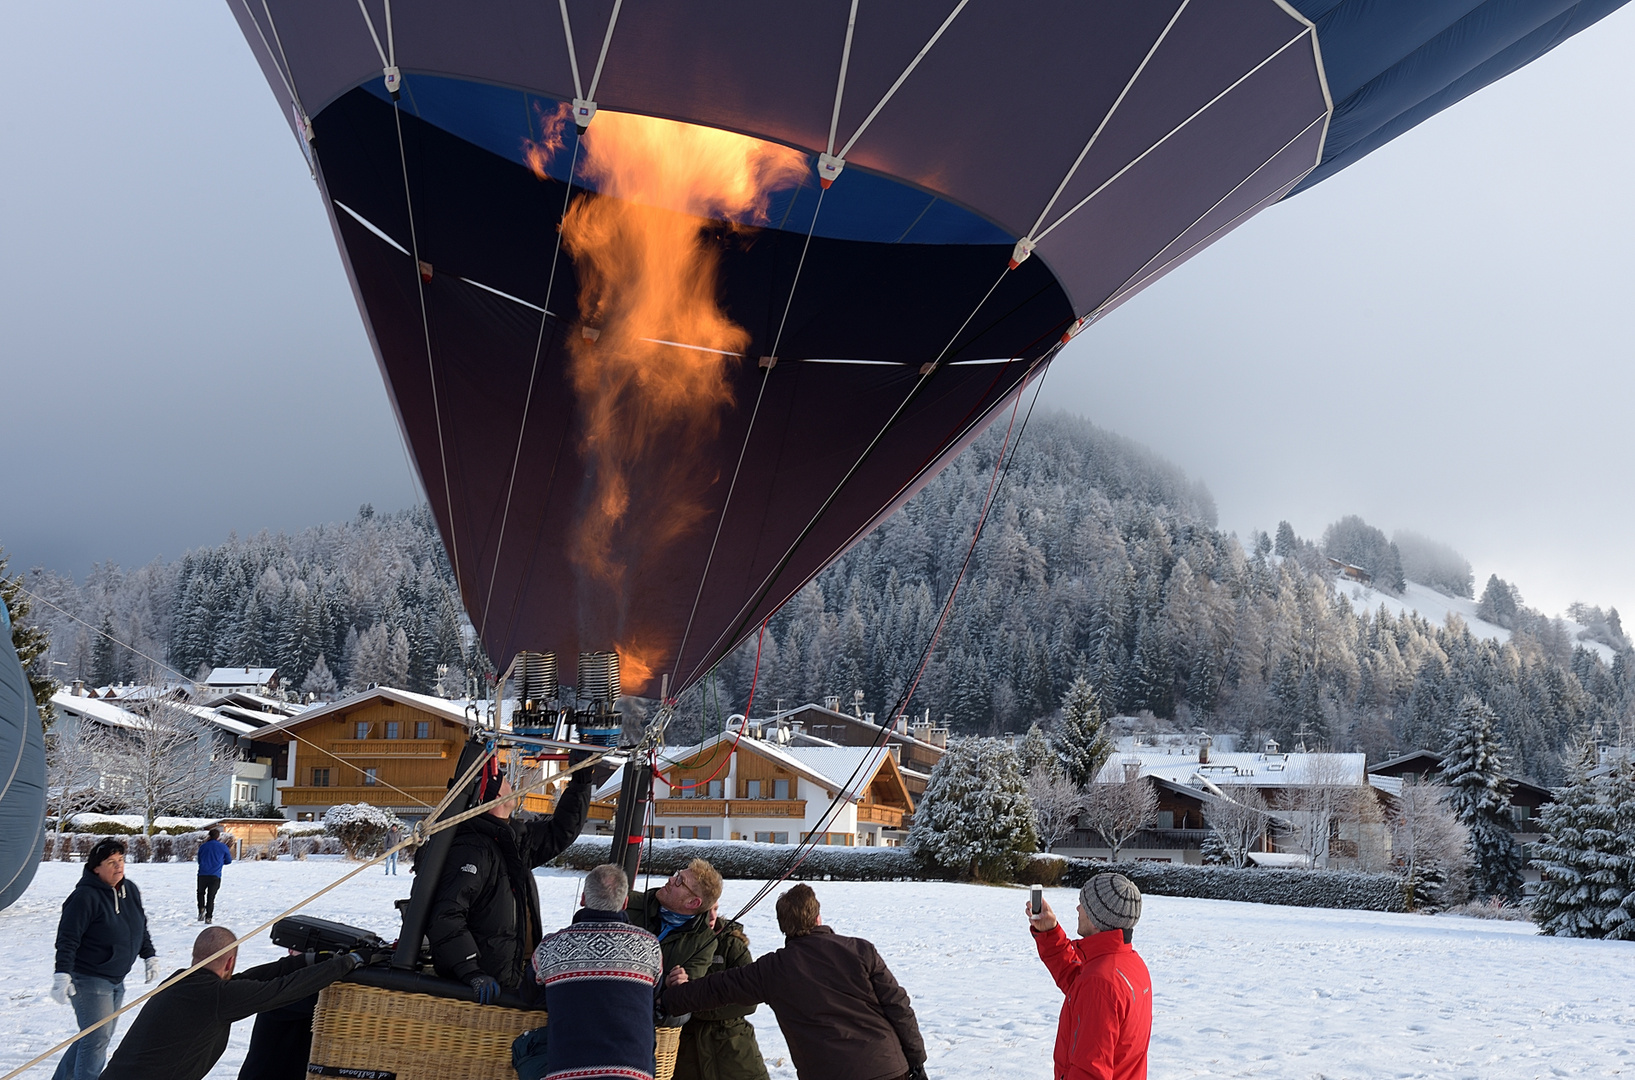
pixel 126 708
pixel 737 786
pixel 1190 777
pixel 915 742
pixel 390 748
pixel 251 680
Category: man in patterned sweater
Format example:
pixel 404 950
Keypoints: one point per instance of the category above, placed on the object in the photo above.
pixel 600 976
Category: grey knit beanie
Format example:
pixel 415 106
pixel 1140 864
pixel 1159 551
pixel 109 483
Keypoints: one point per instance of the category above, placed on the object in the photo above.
pixel 1112 901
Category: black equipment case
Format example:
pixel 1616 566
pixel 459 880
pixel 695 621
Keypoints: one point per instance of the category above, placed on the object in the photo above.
pixel 307 934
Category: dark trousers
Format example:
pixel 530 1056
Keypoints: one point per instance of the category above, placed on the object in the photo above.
pixel 208 884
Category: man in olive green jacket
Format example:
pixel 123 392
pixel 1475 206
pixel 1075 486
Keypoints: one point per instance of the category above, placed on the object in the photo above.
pixel 719 1044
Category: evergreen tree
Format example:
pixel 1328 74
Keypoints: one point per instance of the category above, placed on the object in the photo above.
pixel 1035 756
pixel 31 642
pixel 1583 862
pixel 1479 793
pixel 1286 542
pixel 102 653
pixel 975 818
pixel 1082 743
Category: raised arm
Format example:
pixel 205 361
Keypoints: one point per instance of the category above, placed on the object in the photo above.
pixel 547 838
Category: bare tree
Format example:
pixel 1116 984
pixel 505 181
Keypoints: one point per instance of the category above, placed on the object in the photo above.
pixel 167 757
pixel 1118 810
pixel 1315 806
pixel 1238 817
pixel 1056 803
pixel 1428 843
pixel 74 755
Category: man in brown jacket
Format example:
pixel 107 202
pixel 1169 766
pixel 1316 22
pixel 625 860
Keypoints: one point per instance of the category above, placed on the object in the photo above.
pixel 842 1013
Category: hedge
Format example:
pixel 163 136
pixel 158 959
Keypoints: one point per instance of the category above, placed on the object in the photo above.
pixel 741 859
pixel 1252 885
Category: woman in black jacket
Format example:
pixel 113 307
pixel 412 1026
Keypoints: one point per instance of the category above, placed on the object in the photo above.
pixel 102 931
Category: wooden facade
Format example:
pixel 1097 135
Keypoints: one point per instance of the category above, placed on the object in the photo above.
pixel 377 749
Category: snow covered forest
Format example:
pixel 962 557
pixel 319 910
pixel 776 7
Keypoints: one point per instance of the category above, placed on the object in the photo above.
pixel 1098 559
pixel 335 606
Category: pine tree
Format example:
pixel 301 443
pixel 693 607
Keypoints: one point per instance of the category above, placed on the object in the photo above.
pixel 1082 743
pixel 1479 793
pixel 30 642
pixel 1035 755
pixel 975 818
pixel 1581 860
pixel 1286 542
pixel 102 653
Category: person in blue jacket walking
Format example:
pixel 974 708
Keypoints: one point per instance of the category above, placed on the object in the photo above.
pixel 102 931
pixel 213 855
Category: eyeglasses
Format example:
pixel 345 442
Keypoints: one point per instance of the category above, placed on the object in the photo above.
pixel 679 878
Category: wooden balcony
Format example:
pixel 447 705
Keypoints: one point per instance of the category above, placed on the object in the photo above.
pixel 889 816
pixel 690 807
pixel 767 808
pixel 742 808
pixel 373 794
pixel 376 749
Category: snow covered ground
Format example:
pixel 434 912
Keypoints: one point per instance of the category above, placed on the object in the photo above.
pixel 1241 990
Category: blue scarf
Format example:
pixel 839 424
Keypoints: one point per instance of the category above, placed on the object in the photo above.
pixel 670 920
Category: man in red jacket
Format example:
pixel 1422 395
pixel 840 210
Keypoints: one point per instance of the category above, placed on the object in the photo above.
pixel 1106 1020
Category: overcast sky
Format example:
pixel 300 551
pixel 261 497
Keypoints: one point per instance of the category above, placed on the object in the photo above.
pixel 1437 338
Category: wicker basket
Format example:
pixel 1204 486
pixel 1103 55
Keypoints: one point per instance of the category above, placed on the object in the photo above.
pixel 420 1037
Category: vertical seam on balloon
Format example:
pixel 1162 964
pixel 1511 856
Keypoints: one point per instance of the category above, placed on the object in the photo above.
pixel 607 39
pixel 732 486
pixel 1172 131
pixel 425 329
pixel 840 86
pixel 858 134
pixel 1105 120
pixel 527 401
pixel 1142 268
pixel 573 57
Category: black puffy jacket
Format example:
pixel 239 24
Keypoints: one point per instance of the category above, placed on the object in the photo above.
pixel 485 914
pixel 103 929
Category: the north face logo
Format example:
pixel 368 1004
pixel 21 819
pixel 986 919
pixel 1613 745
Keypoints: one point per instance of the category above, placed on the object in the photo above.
pixel 469 868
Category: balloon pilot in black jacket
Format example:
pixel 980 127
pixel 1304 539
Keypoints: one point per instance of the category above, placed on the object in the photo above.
pixel 485 920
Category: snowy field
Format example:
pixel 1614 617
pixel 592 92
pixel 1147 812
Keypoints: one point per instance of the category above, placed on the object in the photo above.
pixel 1241 990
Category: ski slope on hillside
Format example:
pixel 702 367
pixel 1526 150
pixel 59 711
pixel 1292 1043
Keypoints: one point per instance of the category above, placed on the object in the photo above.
pixel 1241 990
pixel 1435 607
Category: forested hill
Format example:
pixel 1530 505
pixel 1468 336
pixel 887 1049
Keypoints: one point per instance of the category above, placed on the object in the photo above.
pixel 1098 559
pixel 1102 560
pixel 368 600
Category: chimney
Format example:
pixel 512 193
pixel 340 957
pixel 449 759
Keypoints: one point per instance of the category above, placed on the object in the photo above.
pixel 79 687
pixel 1132 768
pixel 1203 749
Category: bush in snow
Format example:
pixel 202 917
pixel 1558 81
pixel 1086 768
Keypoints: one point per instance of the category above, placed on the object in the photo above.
pixel 184 847
pixel 1479 793
pixel 1255 885
pixel 1587 857
pixel 739 859
pixel 360 828
pixel 975 818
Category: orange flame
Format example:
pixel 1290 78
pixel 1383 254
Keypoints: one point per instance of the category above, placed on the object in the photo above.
pixel 551 126
pixel 636 667
pixel 651 369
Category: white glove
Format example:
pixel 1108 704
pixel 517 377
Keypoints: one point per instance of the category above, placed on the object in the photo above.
pixel 62 987
pixel 150 967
